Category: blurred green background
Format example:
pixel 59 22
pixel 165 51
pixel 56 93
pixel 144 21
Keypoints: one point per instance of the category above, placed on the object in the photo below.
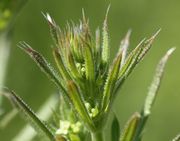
pixel 144 17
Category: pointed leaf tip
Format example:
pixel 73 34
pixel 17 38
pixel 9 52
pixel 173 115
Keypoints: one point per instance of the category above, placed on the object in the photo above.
pixel 130 128
pixel 48 18
pixel 157 33
pixel 151 96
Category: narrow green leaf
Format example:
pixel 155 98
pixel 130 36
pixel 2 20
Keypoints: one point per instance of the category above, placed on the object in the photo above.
pixel 43 64
pixel 60 65
pixel 151 96
pixel 110 81
pixel 28 114
pixel 177 138
pixel 105 43
pixel 78 104
pixel 115 129
pixel 89 64
pixel 130 128
pixel 72 66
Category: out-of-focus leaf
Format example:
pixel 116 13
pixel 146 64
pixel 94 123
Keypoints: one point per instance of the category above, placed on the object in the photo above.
pixel 124 46
pixel 29 115
pixel 177 138
pixel 115 129
pixel 130 128
pixel 7 118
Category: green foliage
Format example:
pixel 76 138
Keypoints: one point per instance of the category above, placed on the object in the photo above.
pixel 88 82
pixel 29 115
pixel 115 129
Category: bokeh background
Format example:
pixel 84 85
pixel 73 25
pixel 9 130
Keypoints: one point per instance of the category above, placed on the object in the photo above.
pixel 144 17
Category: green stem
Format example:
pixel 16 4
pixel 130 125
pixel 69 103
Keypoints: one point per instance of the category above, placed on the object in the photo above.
pixel 97 136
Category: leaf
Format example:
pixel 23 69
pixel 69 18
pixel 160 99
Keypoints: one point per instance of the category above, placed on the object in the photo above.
pixel 151 96
pixel 152 93
pixel 78 103
pixel 105 43
pixel 98 49
pixel 124 46
pixel 115 129
pixel 43 64
pixel 130 128
pixel 110 82
pixel 89 64
pixel 136 56
pixel 177 138
pixel 130 59
pixel 29 115
pixel 147 45
pixel 60 65
pixel 72 66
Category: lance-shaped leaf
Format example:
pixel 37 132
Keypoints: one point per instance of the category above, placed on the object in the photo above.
pixel 29 115
pixel 124 46
pixel 43 64
pixel 151 96
pixel 97 49
pixel 130 128
pixel 136 56
pixel 72 66
pixel 78 104
pixel 105 43
pixel 89 64
pixel 152 93
pixel 110 82
pixel 115 129
pixel 177 138
pixel 131 58
pixel 60 65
